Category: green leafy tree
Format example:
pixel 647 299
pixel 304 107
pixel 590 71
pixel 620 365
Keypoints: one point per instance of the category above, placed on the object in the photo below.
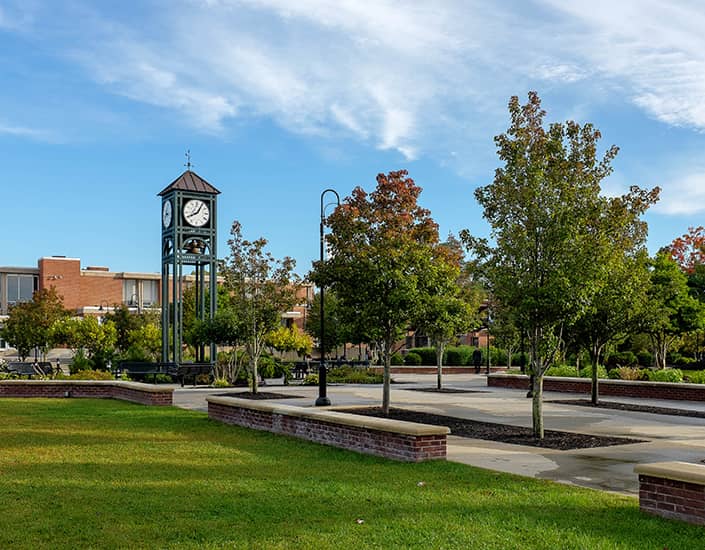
pixel 449 308
pixel 381 262
pixel 290 339
pixel 619 252
pixel 260 289
pixel 671 310
pixel 87 336
pixel 542 210
pixel 29 323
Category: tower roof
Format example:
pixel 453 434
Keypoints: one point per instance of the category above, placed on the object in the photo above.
pixel 190 181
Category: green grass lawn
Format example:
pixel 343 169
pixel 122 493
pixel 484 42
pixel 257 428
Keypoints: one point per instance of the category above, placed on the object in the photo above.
pixel 109 474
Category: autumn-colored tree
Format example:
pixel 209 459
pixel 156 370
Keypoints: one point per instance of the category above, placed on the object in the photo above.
pixel 29 323
pixel 542 207
pixel 381 264
pixel 688 251
pixel 260 289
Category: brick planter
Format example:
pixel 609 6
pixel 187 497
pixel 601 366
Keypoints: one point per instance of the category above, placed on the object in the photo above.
pixel 621 388
pixel 135 392
pixel 404 441
pixel 674 490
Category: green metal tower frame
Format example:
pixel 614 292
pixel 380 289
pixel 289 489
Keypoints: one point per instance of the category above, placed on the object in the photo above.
pixel 187 243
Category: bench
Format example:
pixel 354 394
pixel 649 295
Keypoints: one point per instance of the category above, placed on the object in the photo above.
pixel 190 370
pixel 42 368
pixel 139 370
pixel 674 490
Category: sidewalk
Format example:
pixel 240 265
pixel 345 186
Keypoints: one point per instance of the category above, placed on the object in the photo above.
pixel 605 468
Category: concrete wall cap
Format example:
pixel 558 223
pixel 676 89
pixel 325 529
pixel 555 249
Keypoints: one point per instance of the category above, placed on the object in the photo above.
pixel 334 417
pixel 677 471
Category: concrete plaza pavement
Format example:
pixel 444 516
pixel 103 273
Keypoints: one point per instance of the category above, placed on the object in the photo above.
pixel 607 468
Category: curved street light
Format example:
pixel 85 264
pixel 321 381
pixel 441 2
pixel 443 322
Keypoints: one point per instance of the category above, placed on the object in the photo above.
pixel 323 400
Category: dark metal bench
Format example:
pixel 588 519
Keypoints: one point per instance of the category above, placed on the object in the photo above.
pixel 190 370
pixel 42 368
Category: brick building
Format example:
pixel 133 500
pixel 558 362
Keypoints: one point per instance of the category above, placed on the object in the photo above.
pixel 91 290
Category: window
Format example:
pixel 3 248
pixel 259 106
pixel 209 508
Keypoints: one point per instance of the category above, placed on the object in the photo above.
pixel 150 293
pixel 129 292
pixel 20 288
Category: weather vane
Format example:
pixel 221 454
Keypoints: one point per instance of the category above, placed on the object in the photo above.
pixel 188 164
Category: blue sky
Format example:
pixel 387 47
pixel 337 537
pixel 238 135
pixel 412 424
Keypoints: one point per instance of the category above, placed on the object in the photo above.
pixel 278 100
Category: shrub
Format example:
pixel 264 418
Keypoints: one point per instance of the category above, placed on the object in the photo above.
pixel 428 355
pixel 562 370
pixel 80 363
pixel 310 380
pixel 695 377
pixel 92 375
pixel 645 358
pixel 397 359
pixel 628 373
pixel 665 375
pixel 412 358
pixel 459 356
pixel 351 375
pixel 621 359
pixel 221 383
pixel 570 370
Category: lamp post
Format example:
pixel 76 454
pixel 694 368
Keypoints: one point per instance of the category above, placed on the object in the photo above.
pixel 489 320
pixel 323 400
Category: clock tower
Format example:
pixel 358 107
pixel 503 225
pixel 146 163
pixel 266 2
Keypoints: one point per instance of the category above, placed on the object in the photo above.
pixel 189 235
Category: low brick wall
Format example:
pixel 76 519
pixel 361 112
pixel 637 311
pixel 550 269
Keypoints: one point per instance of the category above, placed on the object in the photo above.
pixel 146 394
pixel 405 441
pixel 674 490
pixel 621 388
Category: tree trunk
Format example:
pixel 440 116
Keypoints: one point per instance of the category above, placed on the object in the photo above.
pixel 387 375
pixel 595 360
pixel 537 405
pixel 439 364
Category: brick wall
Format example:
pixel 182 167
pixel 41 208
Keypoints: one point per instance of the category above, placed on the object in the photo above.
pixel 434 370
pixel 674 490
pixel 326 430
pixel 135 392
pixel 621 388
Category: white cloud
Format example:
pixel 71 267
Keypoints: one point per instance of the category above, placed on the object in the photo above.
pixel 684 194
pixel 24 132
pixel 411 76
pixel 654 50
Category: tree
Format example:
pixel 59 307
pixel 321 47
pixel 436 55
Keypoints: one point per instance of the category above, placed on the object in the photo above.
pixel 87 334
pixel 29 323
pixel 336 331
pixel 260 288
pixel 290 339
pixel 381 261
pixel 671 311
pixel 688 251
pixel 226 328
pixel 450 307
pixel 542 209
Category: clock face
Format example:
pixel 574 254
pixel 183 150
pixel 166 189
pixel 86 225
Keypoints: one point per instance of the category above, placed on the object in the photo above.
pixel 196 213
pixel 166 214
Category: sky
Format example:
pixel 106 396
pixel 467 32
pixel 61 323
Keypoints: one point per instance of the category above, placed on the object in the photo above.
pixel 278 100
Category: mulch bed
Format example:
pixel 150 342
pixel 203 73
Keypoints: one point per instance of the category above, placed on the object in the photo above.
pixel 503 433
pixel 445 390
pixel 629 407
pixel 260 395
